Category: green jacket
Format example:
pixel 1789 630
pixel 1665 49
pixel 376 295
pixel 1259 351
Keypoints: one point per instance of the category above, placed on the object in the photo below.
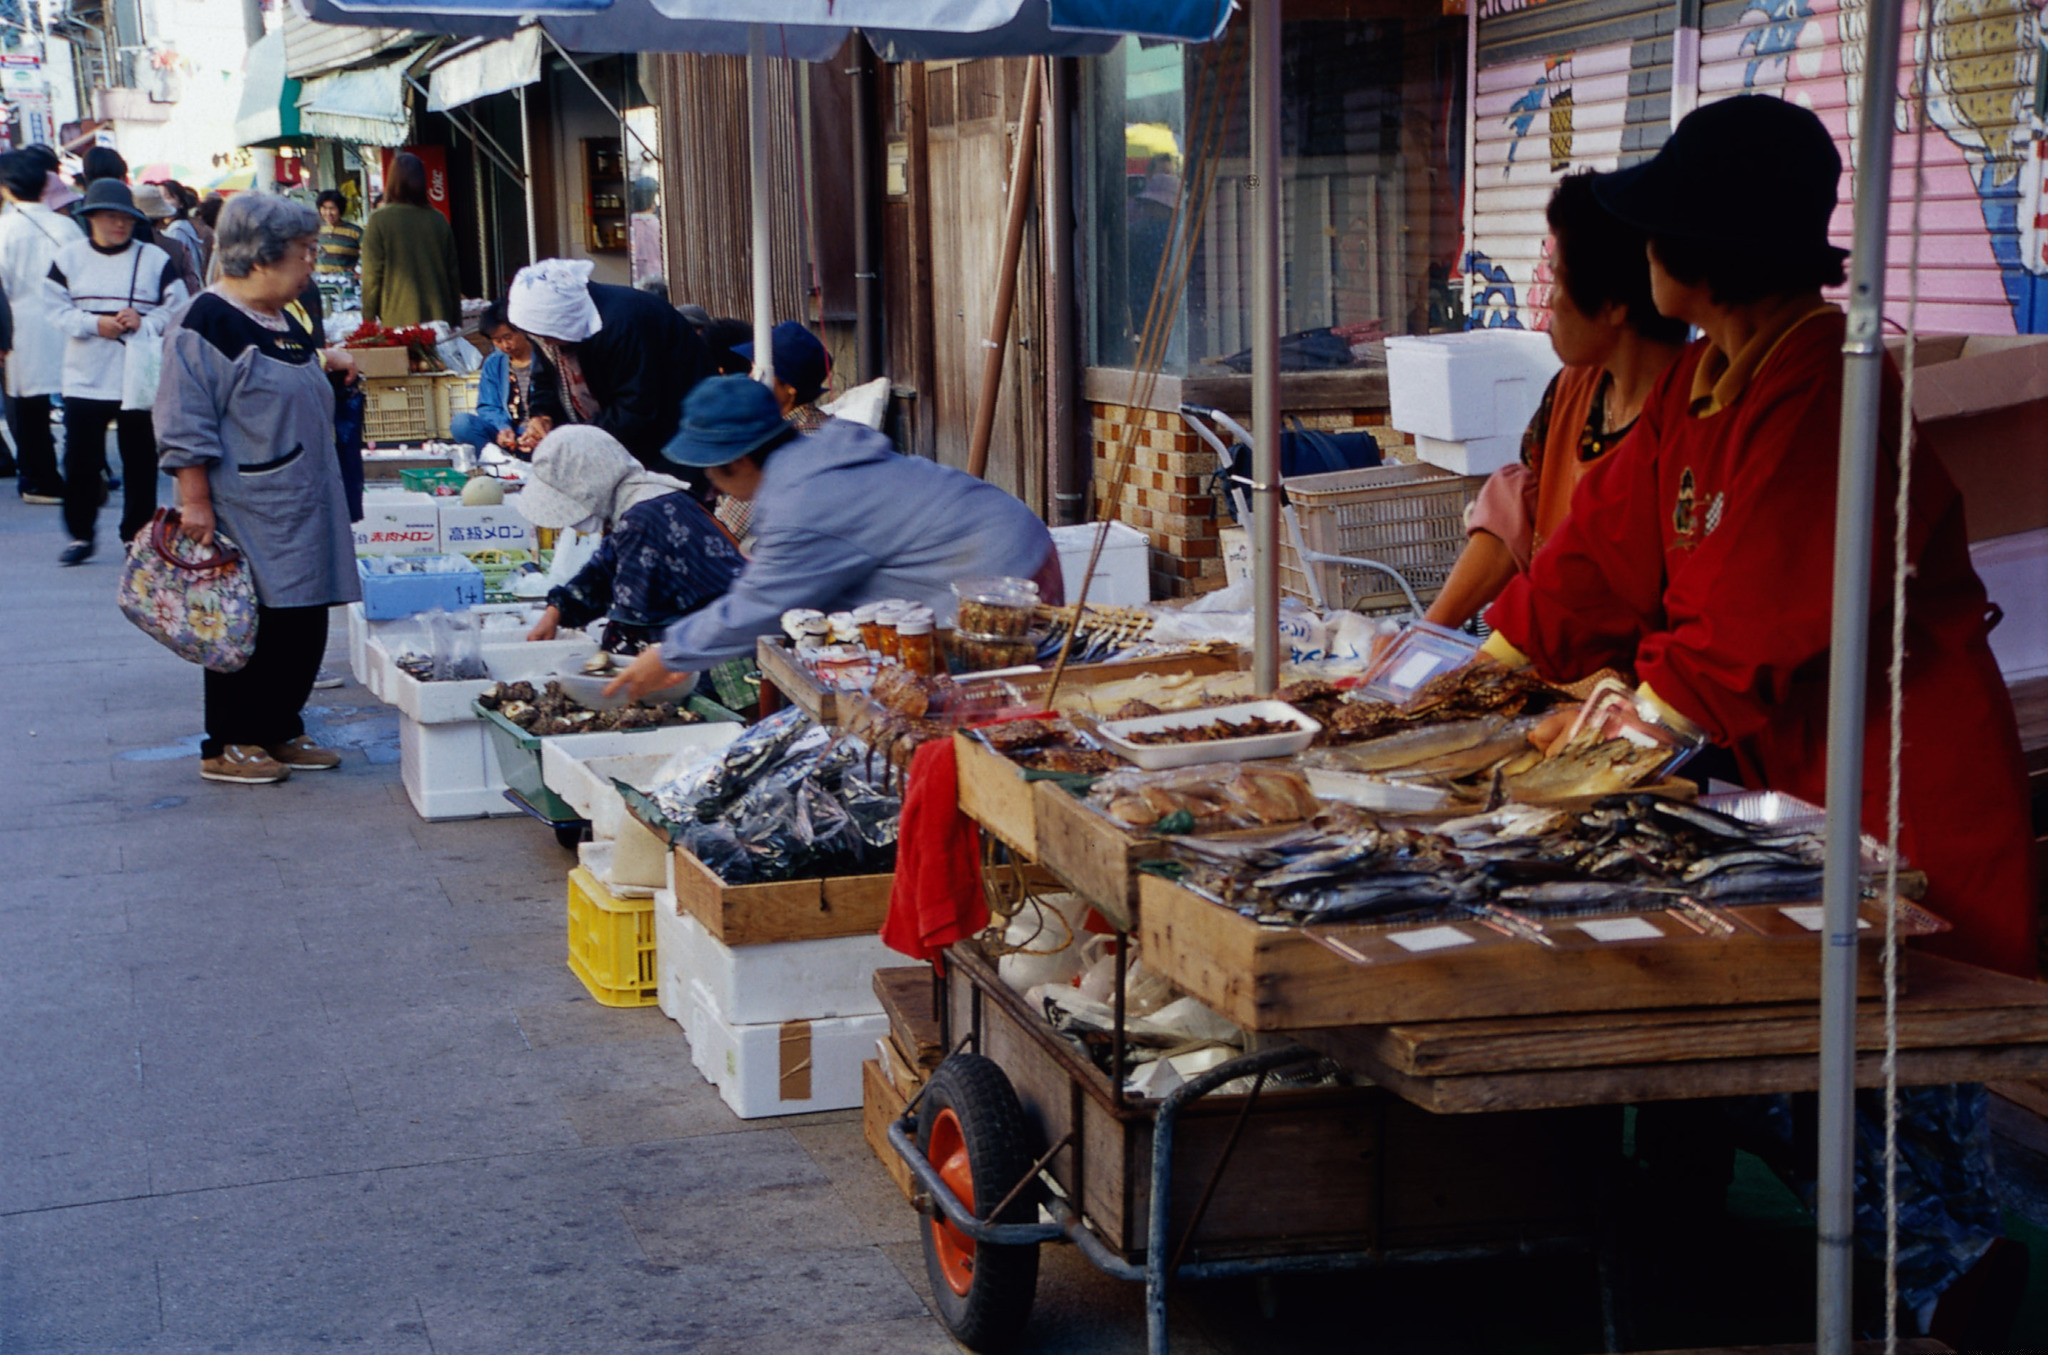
pixel 409 268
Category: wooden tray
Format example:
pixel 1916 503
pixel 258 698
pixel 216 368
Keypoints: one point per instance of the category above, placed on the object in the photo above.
pixel 772 653
pixel 1284 978
pixel 788 910
pixel 1091 855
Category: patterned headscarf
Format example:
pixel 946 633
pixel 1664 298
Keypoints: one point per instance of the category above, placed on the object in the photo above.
pixel 551 299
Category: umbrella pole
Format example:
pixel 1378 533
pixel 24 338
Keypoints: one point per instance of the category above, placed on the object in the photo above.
pixel 1848 674
pixel 757 166
pixel 1265 323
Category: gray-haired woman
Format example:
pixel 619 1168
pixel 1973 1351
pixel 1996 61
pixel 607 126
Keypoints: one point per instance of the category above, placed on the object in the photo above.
pixel 245 421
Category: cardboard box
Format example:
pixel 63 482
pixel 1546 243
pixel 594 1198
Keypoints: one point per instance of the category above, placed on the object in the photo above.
pixel 1982 405
pixel 380 362
pixel 490 527
pixel 396 522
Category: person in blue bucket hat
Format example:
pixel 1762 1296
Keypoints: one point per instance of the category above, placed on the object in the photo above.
pixel 802 370
pixel 840 518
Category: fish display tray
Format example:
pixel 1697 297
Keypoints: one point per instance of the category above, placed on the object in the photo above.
pixel 1346 974
pixel 1160 756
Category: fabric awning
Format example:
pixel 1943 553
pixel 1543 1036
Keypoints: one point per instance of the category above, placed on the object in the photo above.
pixel 366 106
pixel 476 72
pixel 269 112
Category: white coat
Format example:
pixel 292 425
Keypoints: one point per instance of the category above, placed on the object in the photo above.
pixel 30 236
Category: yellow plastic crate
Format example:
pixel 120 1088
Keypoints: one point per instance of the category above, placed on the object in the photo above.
pixel 399 409
pixel 454 393
pixel 611 943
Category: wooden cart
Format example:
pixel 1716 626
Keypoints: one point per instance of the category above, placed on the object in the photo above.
pixel 1018 1119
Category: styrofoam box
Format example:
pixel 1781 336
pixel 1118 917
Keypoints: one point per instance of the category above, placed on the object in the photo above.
pixel 380 670
pixel 1123 576
pixel 782 980
pixel 451 771
pixel 745 1061
pixel 580 767
pixel 487 527
pixel 1483 383
pixel 358 639
pixel 671 952
pixel 398 522
pixel 1474 456
pixel 440 703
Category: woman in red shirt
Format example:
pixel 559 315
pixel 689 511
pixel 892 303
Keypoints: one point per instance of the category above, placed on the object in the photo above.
pixel 1700 556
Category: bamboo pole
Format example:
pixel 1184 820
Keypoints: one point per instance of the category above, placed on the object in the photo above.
pixel 1022 171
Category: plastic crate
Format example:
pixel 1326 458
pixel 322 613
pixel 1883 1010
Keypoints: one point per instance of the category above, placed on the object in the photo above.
pixel 611 943
pixel 442 481
pixel 1407 517
pixel 454 393
pixel 399 409
pixel 388 596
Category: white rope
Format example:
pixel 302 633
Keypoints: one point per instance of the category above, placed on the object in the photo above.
pixel 1897 715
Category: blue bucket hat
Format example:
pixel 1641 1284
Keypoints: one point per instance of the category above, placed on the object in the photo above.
pixel 724 418
pixel 800 360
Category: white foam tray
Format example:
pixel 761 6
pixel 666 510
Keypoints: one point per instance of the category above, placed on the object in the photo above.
pixel 580 767
pixel 1159 756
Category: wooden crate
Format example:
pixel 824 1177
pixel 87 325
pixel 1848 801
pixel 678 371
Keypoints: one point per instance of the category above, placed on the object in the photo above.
pixel 777 661
pixel 906 996
pixel 994 793
pixel 787 910
pixel 1385 1174
pixel 1090 854
pixel 903 1075
pixel 881 1105
pixel 1281 978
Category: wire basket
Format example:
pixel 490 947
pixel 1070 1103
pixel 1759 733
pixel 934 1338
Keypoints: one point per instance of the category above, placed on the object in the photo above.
pixel 1408 517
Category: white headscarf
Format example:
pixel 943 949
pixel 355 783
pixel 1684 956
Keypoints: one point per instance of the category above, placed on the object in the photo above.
pixel 552 299
pixel 581 472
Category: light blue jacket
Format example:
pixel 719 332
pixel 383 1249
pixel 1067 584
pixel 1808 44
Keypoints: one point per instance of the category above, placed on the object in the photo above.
pixel 842 518
pixel 493 387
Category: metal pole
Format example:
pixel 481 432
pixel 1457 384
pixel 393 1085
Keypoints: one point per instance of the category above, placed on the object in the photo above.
pixel 1849 673
pixel 1265 322
pixel 1023 168
pixel 1471 219
pixel 867 309
pixel 757 167
pixel 814 283
pixel 1064 501
pixel 526 158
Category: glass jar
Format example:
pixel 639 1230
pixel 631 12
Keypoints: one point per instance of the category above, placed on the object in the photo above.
pixel 867 616
pixel 917 645
pixel 1000 606
pixel 886 637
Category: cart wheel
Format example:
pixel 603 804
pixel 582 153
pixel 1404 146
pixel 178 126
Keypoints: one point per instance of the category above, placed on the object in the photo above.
pixel 570 835
pixel 972 1129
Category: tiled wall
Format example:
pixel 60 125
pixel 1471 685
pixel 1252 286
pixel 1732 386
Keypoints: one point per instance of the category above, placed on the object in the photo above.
pixel 1167 493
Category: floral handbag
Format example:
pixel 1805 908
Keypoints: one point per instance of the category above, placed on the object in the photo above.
pixel 198 602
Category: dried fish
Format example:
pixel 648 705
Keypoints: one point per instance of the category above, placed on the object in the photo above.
pixel 1411 746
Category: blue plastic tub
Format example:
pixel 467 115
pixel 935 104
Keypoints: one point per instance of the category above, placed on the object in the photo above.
pixel 388 596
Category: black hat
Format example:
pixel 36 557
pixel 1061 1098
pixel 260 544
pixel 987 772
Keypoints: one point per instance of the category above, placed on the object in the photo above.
pixel 1748 170
pixel 109 195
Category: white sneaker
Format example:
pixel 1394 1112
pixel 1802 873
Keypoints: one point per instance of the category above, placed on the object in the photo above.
pixel 327 679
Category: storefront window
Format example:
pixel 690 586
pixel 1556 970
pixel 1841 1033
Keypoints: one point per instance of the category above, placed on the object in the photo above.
pixel 1372 118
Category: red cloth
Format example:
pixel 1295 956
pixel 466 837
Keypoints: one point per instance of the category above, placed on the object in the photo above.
pixel 1700 553
pixel 936 899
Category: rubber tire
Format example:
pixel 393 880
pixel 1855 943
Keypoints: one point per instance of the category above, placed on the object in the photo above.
pixel 570 837
pixel 990 1317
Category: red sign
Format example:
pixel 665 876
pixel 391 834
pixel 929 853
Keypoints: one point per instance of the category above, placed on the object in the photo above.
pixel 435 158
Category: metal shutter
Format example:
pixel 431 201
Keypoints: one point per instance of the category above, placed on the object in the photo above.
pixel 1981 260
pixel 1562 86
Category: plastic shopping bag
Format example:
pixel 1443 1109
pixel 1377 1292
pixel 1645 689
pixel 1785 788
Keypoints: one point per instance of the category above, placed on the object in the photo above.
pixel 198 602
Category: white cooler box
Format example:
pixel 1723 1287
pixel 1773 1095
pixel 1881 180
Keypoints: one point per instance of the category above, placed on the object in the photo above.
pixel 1123 574
pixel 781 1068
pixel 451 771
pixel 581 767
pixel 780 981
pixel 1467 397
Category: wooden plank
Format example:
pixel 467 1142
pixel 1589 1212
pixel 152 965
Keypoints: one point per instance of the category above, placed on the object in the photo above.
pixel 1278 978
pixel 994 793
pixel 1090 854
pixel 905 992
pixel 1674 1081
pixel 880 1105
pixel 2019 1116
pixel 787 910
pixel 1945 1004
pixel 779 667
pixel 903 1075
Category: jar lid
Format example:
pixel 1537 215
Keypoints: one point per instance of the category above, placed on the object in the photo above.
pixel 913 624
pixel 1003 590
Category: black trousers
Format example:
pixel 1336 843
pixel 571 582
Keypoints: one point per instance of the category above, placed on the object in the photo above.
pixel 85 456
pixel 262 703
pixel 35 446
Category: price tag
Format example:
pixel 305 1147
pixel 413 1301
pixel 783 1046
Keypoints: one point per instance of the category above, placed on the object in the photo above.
pixel 1621 929
pixel 1414 672
pixel 1810 916
pixel 1430 938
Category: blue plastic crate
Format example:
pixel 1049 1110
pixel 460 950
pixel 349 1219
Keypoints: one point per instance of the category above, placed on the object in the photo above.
pixel 388 596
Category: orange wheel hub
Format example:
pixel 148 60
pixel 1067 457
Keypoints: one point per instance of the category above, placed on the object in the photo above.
pixel 947 1151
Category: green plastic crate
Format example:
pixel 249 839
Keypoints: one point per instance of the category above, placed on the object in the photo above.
pixel 432 479
pixel 519 756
